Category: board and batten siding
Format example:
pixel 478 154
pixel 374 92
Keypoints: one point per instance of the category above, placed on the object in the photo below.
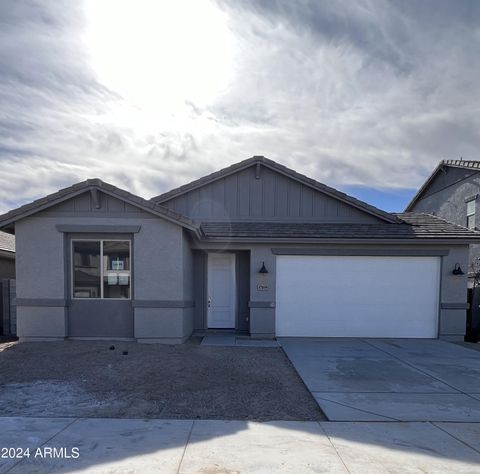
pixel 83 205
pixel 271 196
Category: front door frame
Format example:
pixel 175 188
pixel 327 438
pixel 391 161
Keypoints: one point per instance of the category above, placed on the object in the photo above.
pixel 233 299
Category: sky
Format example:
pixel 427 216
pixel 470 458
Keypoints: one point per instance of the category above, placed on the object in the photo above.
pixel 365 96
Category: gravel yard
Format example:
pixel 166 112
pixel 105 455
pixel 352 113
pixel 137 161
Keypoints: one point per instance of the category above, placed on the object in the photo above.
pixel 87 379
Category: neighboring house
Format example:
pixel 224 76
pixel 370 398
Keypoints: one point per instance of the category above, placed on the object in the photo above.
pixel 7 256
pixel 451 192
pixel 255 247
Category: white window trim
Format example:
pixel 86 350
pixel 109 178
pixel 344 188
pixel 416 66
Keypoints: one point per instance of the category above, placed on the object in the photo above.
pixel 72 269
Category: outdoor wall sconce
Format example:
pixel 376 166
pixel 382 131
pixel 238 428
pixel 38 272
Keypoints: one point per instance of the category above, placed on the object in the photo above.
pixel 457 270
pixel 263 270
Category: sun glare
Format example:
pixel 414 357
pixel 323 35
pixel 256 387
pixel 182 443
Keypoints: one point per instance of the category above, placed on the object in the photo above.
pixel 159 54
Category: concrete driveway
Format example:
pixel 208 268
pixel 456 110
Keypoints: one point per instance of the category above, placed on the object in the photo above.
pixel 389 379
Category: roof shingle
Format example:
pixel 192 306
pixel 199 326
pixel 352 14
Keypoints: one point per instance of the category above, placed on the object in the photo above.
pixel 412 226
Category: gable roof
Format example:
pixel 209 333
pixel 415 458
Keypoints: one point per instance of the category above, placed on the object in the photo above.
pixel 7 242
pixel 465 164
pixel 413 226
pixel 6 220
pixel 261 160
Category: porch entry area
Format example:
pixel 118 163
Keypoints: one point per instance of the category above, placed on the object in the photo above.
pixel 222 291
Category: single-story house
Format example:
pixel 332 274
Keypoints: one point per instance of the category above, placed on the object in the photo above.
pixel 7 256
pixel 255 247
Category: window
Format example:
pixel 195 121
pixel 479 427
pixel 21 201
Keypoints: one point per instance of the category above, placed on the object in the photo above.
pixel 101 269
pixel 471 214
pixel 86 274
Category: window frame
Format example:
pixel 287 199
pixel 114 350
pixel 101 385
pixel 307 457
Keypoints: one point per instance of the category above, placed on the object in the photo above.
pixel 72 269
pixel 474 201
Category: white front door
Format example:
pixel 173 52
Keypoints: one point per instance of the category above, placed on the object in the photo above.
pixel 221 290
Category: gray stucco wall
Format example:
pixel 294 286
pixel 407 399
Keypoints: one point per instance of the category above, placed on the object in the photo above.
pixel 200 290
pixel 7 267
pixel 445 197
pixel 160 310
pixel 40 269
pixel 453 293
pixel 449 176
pixel 165 275
pixel 188 284
pixel 453 289
pixel 271 195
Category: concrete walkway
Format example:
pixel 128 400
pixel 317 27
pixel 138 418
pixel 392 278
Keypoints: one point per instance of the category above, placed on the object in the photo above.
pixel 389 379
pixel 182 446
pixel 222 339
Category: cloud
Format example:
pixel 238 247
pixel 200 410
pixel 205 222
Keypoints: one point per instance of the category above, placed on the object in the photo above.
pixel 363 93
pixel 370 93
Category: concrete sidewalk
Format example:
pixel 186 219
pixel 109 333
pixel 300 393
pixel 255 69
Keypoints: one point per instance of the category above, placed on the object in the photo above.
pixel 173 446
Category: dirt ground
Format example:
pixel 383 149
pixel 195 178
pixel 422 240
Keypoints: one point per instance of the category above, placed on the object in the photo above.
pixel 188 381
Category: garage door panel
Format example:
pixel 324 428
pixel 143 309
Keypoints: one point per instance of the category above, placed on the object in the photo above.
pixel 357 296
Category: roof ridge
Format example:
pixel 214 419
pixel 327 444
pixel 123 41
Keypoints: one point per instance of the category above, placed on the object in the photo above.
pixel 463 163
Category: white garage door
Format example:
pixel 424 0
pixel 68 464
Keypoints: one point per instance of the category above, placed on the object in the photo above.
pixel 357 296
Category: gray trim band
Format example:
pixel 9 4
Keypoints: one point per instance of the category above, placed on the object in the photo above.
pixel 375 252
pixel 48 302
pixel 454 306
pixel 163 304
pixel 334 241
pixel 261 304
pixel 112 229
